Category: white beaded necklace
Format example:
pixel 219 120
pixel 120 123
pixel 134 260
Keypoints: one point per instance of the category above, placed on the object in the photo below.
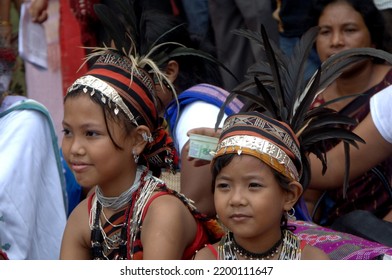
pixel 120 201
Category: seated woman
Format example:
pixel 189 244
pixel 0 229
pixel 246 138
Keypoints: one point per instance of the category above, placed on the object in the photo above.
pixel 345 25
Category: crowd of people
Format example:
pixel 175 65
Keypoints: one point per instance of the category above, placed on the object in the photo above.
pixel 296 106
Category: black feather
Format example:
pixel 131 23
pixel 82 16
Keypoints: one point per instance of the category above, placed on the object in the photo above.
pixel 269 103
pixel 346 181
pixel 281 104
pixel 255 99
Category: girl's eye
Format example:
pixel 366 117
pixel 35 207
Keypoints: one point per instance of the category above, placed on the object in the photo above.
pixel 221 186
pixel 91 133
pixel 66 132
pixel 255 185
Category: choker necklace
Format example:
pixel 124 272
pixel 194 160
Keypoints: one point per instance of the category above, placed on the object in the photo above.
pixel 269 254
pixel 117 202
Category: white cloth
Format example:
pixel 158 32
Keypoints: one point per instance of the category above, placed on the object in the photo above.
pixel 383 4
pixel 32 207
pixel 194 115
pixel 381 111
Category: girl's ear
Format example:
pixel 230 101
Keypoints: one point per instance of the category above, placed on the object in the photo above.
pixel 292 195
pixel 172 70
pixel 141 136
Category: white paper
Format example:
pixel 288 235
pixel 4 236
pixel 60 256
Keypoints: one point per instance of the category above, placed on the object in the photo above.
pixel 32 43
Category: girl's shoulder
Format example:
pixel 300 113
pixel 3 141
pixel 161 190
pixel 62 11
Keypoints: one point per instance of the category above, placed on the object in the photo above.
pixel 76 242
pixel 208 252
pixel 166 204
pixel 80 214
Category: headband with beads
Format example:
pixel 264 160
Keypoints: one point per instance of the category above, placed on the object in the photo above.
pixel 94 84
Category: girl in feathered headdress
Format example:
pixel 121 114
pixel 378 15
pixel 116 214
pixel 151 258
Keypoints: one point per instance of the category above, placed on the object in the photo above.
pixel 256 171
pixel 261 164
pixel 114 141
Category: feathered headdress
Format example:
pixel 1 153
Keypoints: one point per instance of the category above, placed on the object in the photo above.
pixel 121 77
pixel 276 87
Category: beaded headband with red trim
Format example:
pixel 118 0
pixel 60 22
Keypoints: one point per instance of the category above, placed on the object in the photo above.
pixel 269 140
pixel 94 84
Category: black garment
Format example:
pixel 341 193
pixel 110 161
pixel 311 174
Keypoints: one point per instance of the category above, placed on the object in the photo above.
pixel 366 225
pixel 295 17
pixel 235 51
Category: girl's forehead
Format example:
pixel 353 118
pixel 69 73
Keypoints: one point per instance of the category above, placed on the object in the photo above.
pixel 80 102
pixel 84 107
pixel 249 164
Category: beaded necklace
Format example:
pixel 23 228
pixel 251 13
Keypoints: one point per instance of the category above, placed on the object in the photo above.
pixel 269 254
pixel 123 199
pixel 99 237
pixel 102 246
pixel 228 248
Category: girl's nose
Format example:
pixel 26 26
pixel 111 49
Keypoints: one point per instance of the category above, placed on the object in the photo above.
pixel 237 198
pixel 76 147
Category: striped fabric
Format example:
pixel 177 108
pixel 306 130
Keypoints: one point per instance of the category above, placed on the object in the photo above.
pixel 134 85
pixel 272 141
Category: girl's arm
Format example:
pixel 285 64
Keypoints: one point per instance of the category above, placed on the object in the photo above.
pixel 168 228
pixel 76 240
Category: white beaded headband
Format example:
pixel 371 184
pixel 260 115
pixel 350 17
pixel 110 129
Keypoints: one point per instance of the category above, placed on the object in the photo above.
pixel 107 91
pixel 236 144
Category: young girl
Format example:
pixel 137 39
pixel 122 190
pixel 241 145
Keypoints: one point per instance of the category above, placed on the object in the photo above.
pixel 113 141
pixel 256 171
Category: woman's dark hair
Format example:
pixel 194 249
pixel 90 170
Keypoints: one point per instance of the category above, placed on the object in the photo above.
pixel 371 15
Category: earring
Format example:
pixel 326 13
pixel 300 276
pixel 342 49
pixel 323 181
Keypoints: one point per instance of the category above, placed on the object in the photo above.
pixel 135 156
pixel 147 138
pixel 291 214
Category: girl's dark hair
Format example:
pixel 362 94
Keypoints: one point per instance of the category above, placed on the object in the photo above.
pixel 371 16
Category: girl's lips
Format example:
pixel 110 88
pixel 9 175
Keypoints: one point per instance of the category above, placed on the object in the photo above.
pixel 79 167
pixel 239 217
